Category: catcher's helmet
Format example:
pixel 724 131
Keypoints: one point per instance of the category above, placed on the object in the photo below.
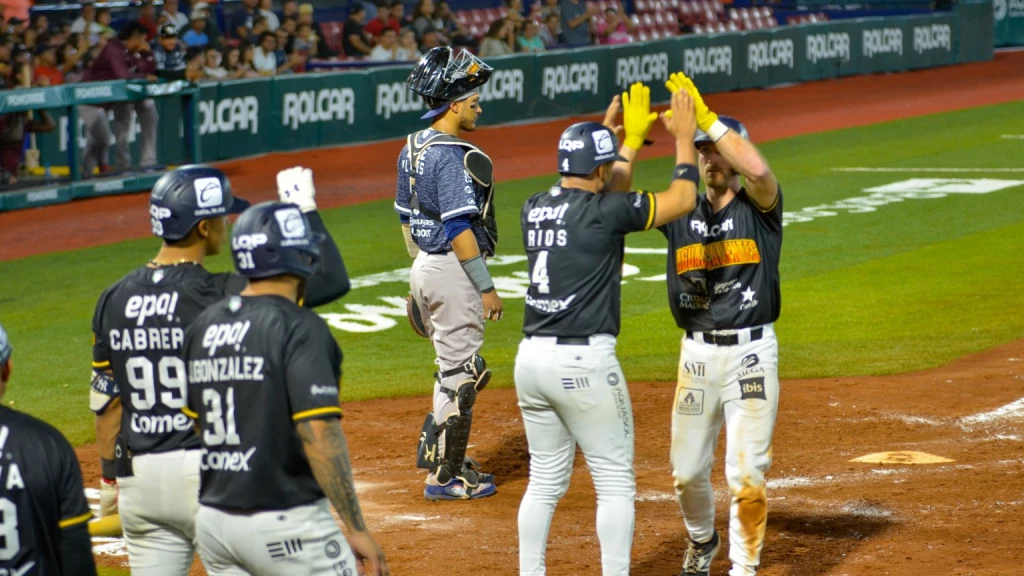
pixel 442 77
pixel 274 238
pixel 188 194
pixel 732 123
pixel 584 146
pixel 5 346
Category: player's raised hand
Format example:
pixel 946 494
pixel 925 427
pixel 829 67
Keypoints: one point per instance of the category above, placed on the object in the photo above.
pixel 679 82
pixel 369 553
pixel 637 117
pixel 681 120
pixel 295 186
pixel 611 116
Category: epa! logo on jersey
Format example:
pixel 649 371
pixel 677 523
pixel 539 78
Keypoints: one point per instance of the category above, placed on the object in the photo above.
pixel 209 193
pixel 150 305
pixel 291 223
pixel 218 335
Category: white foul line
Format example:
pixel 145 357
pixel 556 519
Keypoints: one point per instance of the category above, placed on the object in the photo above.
pixel 1014 136
pixel 906 169
pixel 1011 410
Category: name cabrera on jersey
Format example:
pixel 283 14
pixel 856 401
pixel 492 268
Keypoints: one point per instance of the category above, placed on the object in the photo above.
pixel 41 493
pixel 723 269
pixel 574 240
pixel 139 330
pixel 257 366
pixel 443 186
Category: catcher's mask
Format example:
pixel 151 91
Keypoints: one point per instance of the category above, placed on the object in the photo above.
pixel 442 77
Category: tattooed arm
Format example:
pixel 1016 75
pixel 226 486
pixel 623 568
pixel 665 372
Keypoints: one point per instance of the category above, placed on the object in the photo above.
pixel 327 451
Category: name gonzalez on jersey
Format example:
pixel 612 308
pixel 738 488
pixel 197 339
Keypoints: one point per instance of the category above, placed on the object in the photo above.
pixel 228 368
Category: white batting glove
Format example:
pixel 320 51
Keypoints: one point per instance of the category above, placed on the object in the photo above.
pixel 108 498
pixel 295 186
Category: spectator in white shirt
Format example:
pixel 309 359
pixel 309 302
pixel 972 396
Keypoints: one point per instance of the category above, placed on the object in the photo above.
pixel 212 66
pixel 170 12
pixel 86 24
pixel 408 42
pixel 264 59
pixel 266 9
pixel 387 48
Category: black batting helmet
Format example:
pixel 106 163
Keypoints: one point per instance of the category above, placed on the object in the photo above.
pixel 442 77
pixel 188 194
pixel 274 238
pixel 584 146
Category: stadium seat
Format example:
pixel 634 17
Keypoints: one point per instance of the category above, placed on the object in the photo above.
pixel 766 12
pixel 731 26
pixel 686 15
pixel 659 19
pixel 646 22
pixel 734 14
pixel 642 36
pixel 636 20
pixel 771 22
pixel 698 28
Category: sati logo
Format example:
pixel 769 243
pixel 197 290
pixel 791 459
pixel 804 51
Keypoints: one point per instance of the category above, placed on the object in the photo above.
pixel 150 306
pixel 831 45
pixel 882 41
pixel 932 38
pixel 312 106
pixel 291 223
pixel 764 54
pixel 568 78
pixel 603 142
pixel 218 335
pixel 711 60
pixel 229 115
pixel 396 97
pixel 646 68
pixel 209 193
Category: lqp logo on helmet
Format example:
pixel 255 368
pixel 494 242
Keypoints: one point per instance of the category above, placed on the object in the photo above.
pixel 274 239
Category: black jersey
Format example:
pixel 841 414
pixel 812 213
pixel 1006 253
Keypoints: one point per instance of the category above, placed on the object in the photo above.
pixel 723 269
pixel 575 241
pixel 257 365
pixel 139 330
pixel 41 494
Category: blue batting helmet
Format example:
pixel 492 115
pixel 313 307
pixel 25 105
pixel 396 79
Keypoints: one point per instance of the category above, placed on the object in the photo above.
pixel 186 195
pixel 584 146
pixel 5 346
pixel 733 124
pixel 274 238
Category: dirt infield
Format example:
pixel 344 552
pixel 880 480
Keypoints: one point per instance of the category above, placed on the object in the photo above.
pixel 826 515
pixel 359 173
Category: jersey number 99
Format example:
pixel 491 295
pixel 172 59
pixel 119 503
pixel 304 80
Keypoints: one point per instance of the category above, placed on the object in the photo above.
pixel 171 371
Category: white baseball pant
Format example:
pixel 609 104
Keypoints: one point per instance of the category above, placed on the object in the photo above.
pixel 571 394
pixel 737 385
pixel 158 508
pixel 301 540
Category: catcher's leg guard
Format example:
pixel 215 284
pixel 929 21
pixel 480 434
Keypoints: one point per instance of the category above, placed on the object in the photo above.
pixel 427 455
pixel 458 425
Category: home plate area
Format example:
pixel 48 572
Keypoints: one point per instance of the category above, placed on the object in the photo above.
pixel 943 477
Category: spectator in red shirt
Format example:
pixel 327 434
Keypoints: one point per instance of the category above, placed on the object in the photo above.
pixel 383 20
pixel 123 58
pixel 47 71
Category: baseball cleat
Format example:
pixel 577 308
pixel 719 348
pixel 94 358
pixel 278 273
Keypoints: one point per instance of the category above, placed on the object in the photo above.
pixel 457 490
pixel 473 466
pixel 699 556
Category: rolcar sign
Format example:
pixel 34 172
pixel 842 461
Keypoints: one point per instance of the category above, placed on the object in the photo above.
pixel 765 54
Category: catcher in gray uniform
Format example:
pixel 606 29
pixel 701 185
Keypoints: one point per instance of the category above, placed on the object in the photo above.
pixel 444 201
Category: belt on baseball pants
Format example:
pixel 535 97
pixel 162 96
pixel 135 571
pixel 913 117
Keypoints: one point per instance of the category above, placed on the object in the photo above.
pixel 727 339
pixel 570 340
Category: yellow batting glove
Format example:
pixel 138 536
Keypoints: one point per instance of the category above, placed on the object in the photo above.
pixel 637 117
pixel 705 117
pixel 675 82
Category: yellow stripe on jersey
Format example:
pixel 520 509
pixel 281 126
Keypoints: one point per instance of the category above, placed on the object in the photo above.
pixel 717 255
pixel 768 209
pixel 75 521
pixel 189 413
pixel 316 412
pixel 650 216
pixel 101 365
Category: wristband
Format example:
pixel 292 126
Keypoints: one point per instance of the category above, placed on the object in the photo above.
pixel 108 470
pixel 687 172
pixel 717 130
pixel 477 272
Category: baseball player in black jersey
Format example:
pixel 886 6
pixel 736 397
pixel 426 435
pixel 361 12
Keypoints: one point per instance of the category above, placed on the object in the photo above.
pixel 570 386
pixel 723 286
pixel 148 447
pixel 263 387
pixel 43 512
pixel 444 200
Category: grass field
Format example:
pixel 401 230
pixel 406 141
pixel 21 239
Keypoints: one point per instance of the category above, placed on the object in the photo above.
pixel 910 284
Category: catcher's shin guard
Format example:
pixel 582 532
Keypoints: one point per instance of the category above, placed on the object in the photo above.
pixel 458 425
pixel 427 455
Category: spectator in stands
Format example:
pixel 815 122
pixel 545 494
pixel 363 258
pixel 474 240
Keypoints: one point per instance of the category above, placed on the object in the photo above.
pixel 46 66
pixel 387 48
pixel 290 9
pixel 171 13
pixel 284 40
pixel 457 34
pixel 499 40
pixel 259 26
pixel 194 64
pixel 305 41
pixel 550 32
pixel 514 13
pixel 104 19
pixel 40 23
pixel 576 18
pixel 430 40
pixel 266 9
pixel 550 7
pixel 423 17
pixel 211 30
pixel 195 36
pixel 354 39
pixel 529 40
pixel 384 20
pixel 212 68
pixel 125 57
pixel 238 62
pixel 170 56
pixel 616 28
pixel 407 40
pixel 147 17
pixel 242 19
pixel 306 17
pixel 265 58
pixel 72 55
pixel 398 13
pixel 86 24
